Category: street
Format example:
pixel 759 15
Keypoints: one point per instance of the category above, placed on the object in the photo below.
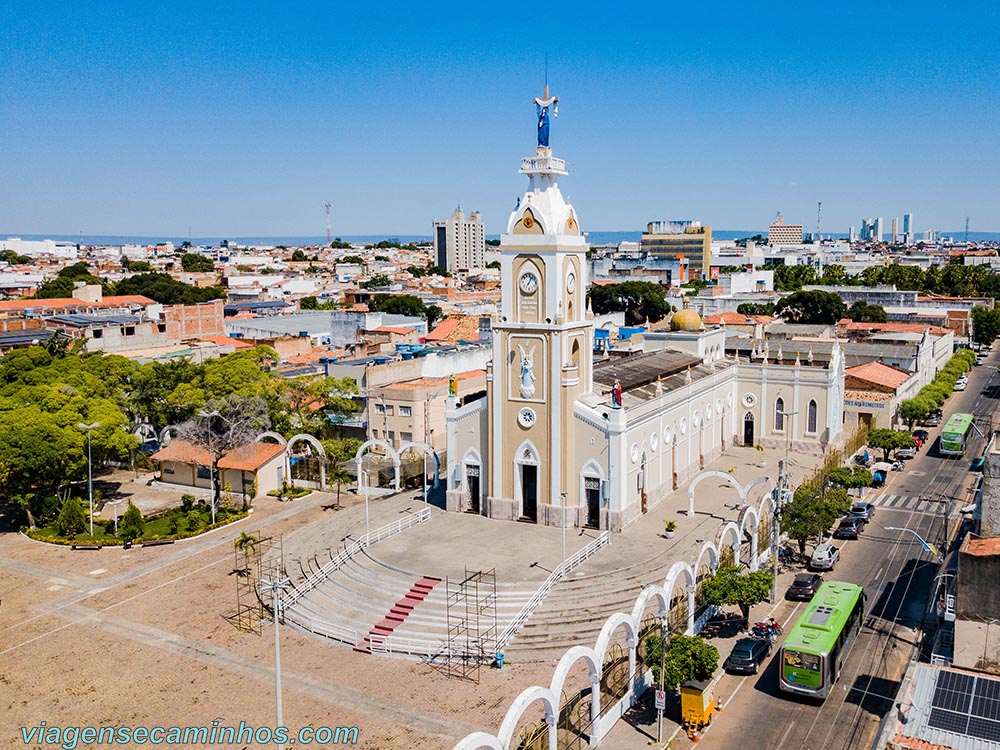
pixel 898 576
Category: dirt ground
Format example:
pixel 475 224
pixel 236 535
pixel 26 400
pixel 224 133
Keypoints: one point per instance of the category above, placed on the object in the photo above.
pixel 113 637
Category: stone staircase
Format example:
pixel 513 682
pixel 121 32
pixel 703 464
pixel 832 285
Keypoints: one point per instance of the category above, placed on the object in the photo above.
pixel 575 610
pixel 367 601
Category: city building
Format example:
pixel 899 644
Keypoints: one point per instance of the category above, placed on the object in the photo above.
pixel 908 234
pixel 895 230
pixel 676 240
pixel 460 242
pixel 780 233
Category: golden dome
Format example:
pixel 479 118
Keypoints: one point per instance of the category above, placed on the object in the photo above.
pixel 685 319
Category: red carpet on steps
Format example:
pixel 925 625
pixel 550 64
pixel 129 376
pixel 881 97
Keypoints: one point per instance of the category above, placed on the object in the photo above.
pixel 399 612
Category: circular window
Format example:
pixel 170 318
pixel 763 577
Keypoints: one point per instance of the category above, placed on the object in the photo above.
pixel 696 419
pixel 684 426
pixel 729 399
pixel 635 452
pixel 668 436
pixel 526 417
pixel 718 406
pixel 749 400
pixel 708 412
pixel 654 441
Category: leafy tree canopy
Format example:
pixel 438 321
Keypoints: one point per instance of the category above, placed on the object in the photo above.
pixel 167 290
pixel 197 263
pixel 862 312
pixel 731 587
pixel 639 300
pixel 131 526
pixel 377 281
pixel 813 307
pixel 755 308
pixel 398 304
pixel 889 440
pixel 687 657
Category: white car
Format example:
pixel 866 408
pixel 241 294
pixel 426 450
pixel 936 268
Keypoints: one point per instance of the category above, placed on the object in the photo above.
pixel 961 385
pixel 824 557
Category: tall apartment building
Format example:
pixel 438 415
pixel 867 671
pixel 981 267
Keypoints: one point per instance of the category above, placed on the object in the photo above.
pixel 908 234
pixel 460 242
pixel 780 233
pixel 676 239
pixel 872 229
pixel 895 230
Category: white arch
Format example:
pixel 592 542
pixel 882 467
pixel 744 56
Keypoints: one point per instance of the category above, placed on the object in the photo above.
pixel 750 485
pixel 648 592
pixel 167 434
pixel 533 459
pixel 272 435
pixel 749 521
pixel 569 660
pixel 144 431
pixel 611 625
pixel 731 530
pixel 479 741
pixel 521 703
pixel 426 449
pixel 719 475
pixel 713 552
pixel 389 451
pixel 316 445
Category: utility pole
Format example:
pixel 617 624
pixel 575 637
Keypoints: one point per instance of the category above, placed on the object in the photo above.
pixel 819 213
pixel 663 666
pixel 275 587
pixel 90 475
pixel 328 233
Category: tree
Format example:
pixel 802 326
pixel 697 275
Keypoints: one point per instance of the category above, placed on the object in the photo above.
pixel 139 266
pixel 376 281
pixel 914 410
pixel 433 313
pixel 888 440
pixel 639 300
pixel 167 290
pixel 986 324
pixel 339 476
pixel 309 303
pixel 687 657
pixel 416 271
pixel 438 271
pixel 729 587
pixel 246 543
pixel 298 256
pixel 72 520
pixel 862 312
pixel 811 513
pixel 65 282
pixel 196 263
pixel 850 477
pixel 229 423
pixel 755 308
pixel 493 264
pixel 793 278
pixel 355 259
pixel 398 304
pixel 815 307
pixel 131 526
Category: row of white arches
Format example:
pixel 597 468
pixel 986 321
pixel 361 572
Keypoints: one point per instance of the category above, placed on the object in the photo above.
pixel 732 536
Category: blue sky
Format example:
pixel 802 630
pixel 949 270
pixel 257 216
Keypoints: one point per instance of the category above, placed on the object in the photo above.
pixel 236 119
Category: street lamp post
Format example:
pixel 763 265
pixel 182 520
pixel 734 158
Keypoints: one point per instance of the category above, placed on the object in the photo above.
pixel 115 505
pixel 367 481
pixel 923 543
pixel 90 474
pixel 275 587
pixel 562 497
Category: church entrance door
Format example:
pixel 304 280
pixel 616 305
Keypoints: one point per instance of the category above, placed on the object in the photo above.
pixel 748 429
pixel 592 488
pixel 529 492
pixel 472 483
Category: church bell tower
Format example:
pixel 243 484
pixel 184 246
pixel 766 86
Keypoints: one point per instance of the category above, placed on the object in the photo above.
pixel 542 348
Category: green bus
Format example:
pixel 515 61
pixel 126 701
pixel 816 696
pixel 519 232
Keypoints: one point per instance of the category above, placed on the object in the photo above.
pixel 817 646
pixel 955 434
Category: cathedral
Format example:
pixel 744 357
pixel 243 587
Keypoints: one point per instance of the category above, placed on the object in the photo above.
pixel 563 439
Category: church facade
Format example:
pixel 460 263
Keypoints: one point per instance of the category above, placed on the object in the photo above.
pixel 563 440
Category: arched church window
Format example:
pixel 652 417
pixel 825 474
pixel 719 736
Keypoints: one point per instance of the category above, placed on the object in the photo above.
pixel 779 415
pixel 574 356
pixel 811 419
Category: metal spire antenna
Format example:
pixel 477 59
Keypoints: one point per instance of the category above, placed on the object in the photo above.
pixel 966 230
pixel 819 213
pixel 327 223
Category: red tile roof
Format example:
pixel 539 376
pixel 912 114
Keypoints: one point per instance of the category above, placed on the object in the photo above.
pixel 878 373
pixel 456 327
pixel 395 329
pixel 735 318
pixel 895 327
pixel 227 341
pixel 64 303
pixel 248 457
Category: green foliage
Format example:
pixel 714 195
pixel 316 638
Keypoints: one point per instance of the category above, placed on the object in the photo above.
pixel 862 312
pixel 65 282
pixel 814 307
pixel 339 450
pixel 639 300
pixel 298 256
pixel 72 520
pixel 398 304
pixel 356 259
pixel 433 314
pixel 376 281
pixel 438 271
pixel 888 440
pixel 812 512
pixel 339 244
pixel 494 264
pixel 851 477
pixel 755 308
pixel 196 263
pixel 687 657
pixel 12 258
pixel 730 587
pixel 131 526
pixel 416 271
pixel 986 324
pixel 793 278
pixel 915 409
pixel 138 266
pixel 168 291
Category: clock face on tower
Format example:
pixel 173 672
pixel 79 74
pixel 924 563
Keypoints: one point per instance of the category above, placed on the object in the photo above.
pixel 528 282
pixel 571 282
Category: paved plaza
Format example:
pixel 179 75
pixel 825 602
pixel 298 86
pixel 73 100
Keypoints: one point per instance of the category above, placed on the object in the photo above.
pixel 137 636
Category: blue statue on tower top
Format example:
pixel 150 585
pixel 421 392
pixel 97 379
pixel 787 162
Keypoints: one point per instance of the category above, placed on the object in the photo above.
pixel 542 106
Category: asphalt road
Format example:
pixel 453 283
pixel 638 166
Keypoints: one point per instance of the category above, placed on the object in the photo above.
pixel 898 575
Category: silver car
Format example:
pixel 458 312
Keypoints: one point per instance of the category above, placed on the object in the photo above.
pixel 824 557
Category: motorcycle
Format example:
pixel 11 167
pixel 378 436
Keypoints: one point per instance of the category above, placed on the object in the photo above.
pixel 766 631
pixel 898 465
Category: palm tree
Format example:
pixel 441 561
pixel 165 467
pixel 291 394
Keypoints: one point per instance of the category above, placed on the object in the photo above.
pixel 246 543
pixel 340 476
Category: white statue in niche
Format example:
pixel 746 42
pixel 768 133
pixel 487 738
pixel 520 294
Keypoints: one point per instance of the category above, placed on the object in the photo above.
pixel 527 389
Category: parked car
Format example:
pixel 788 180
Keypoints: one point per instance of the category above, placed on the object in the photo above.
pixel 747 655
pixel 824 557
pixel 978 361
pixel 849 528
pixel 804 586
pixel 906 453
pixel 863 510
pixel 961 385
pixel 920 437
pixel 934 420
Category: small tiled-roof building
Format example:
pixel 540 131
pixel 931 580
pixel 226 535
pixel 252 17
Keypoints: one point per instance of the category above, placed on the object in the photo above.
pixel 872 393
pixel 188 465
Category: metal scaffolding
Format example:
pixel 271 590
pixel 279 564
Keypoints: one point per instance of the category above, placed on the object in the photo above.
pixel 258 558
pixel 472 623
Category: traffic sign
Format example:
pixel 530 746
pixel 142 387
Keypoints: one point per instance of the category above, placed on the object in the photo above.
pixel 661 699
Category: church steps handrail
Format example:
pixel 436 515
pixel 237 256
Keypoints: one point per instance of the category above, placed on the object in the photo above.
pixel 383 532
pixel 561 570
